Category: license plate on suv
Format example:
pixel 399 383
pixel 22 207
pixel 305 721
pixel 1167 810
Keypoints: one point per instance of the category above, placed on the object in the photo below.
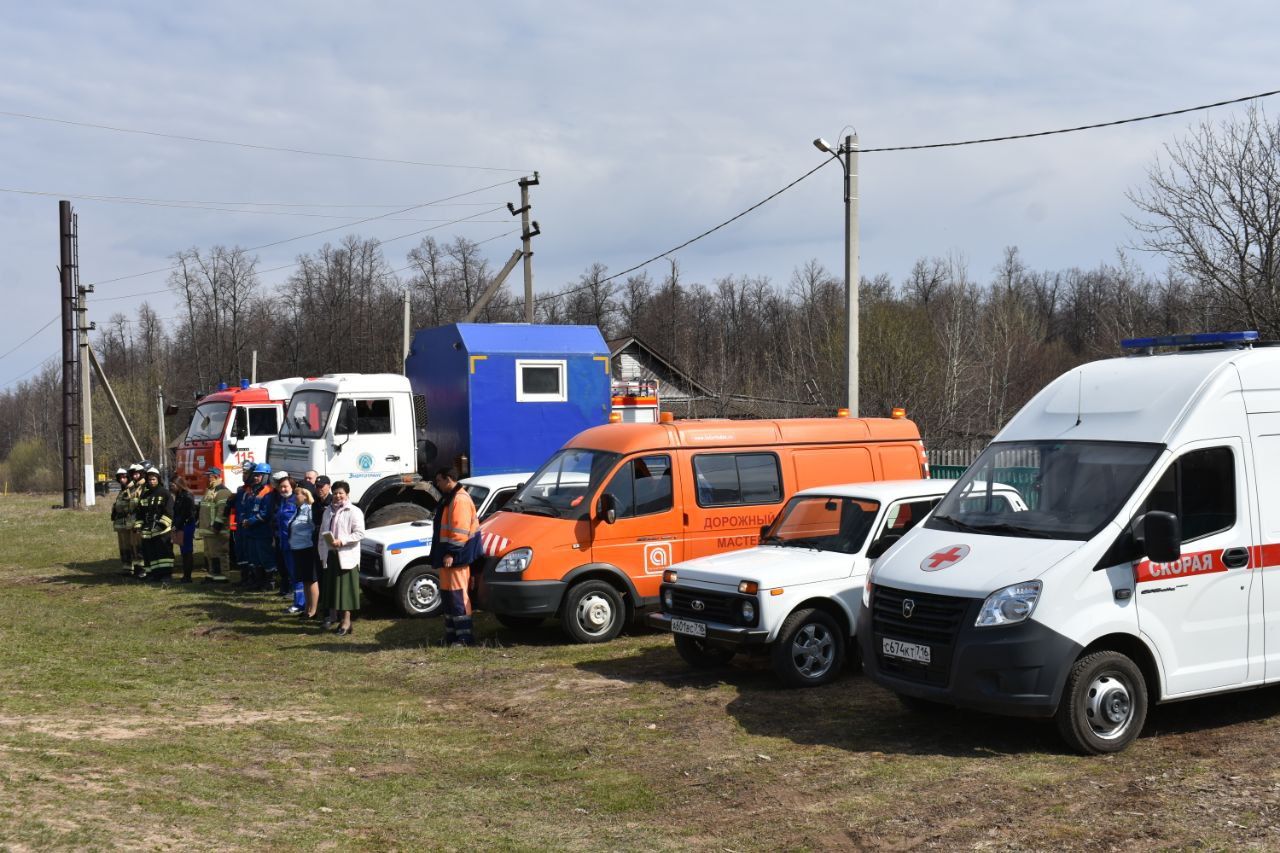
pixel 689 627
pixel 915 652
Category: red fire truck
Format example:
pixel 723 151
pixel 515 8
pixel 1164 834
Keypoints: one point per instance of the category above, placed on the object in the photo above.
pixel 230 426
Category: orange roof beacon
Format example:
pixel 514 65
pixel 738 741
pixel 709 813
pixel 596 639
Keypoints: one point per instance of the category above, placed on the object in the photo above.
pixel 588 536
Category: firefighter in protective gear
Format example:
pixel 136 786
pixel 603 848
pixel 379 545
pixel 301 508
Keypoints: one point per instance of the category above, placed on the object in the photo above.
pixel 211 525
pixel 254 521
pixel 137 485
pixel 455 545
pixel 155 520
pixel 235 514
pixel 122 521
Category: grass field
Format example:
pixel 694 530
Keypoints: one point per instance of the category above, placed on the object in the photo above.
pixel 191 717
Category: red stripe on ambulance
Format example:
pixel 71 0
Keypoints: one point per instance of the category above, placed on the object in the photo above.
pixel 1197 563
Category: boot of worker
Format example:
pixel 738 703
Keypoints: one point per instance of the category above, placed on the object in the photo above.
pixel 188 566
pixel 246 576
pixel 215 571
pixel 126 562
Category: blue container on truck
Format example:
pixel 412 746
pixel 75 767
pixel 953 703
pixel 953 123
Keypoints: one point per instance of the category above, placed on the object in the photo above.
pixel 507 395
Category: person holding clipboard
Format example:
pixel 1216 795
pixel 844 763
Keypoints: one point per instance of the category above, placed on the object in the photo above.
pixel 340 533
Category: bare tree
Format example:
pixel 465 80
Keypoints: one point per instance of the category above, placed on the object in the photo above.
pixel 1214 209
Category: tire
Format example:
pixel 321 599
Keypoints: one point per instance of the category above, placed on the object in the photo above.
pixel 809 650
pixel 418 592
pixel 518 623
pixel 398 513
pixel 916 705
pixel 1104 704
pixel 593 612
pixel 699 655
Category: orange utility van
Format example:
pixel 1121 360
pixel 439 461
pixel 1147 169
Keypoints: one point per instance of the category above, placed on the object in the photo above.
pixel 587 538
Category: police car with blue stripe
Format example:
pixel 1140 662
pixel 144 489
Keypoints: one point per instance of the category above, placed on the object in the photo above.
pixel 393 559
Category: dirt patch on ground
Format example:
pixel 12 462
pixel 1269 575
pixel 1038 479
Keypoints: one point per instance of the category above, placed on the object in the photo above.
pixel 130 727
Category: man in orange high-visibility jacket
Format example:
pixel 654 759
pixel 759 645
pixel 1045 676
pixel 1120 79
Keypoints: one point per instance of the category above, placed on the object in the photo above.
pixel 455 545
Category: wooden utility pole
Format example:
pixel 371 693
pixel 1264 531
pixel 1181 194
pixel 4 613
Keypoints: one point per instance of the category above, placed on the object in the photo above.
pixel 527 233
pixel 115 404
pixel 71 437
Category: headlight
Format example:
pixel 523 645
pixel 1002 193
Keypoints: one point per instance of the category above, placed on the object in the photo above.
pixel 515 561
pixel 668 599
pixel 1009 605
pixel 748 611
pixel 866 592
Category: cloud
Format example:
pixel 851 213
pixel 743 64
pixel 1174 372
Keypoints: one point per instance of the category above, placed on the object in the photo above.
pixel 648 123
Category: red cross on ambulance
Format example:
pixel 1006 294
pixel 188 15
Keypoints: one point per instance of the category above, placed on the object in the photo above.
pixel 944 558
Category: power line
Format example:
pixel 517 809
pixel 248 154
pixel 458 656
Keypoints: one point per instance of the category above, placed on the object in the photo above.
pixel 1038 133
pixel 199 206
pixel 296 263
pixel 774 195
pixel 133 198
pixel 328 230
pixel 252 145
pixel 25 373
pixel 19 346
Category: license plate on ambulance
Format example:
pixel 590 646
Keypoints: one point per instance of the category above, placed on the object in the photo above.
pixel 689 627
pixel 916 652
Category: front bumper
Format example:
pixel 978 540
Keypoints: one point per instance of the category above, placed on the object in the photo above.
pixel 376 583
pixel 1016 670
pixel 520 598
pixel 719 633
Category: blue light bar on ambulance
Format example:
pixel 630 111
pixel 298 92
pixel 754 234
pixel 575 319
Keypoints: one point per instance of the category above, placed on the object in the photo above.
pixel 1197 339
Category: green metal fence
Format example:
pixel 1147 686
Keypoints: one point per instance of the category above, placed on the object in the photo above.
pixel 1022 479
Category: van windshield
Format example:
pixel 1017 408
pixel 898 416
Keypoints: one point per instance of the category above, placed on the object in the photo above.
pixel 208 421
pixel 307 415
pixel 823 523
pixel 561 488
pixel 1072 488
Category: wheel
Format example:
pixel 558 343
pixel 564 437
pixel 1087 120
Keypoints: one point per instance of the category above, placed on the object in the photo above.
pixel 916 705
pixel 418 592
pixel 518 623
pixel 699 655
pixel 398 513
pixel 809 650
pixel 1104 704
pixel 593 612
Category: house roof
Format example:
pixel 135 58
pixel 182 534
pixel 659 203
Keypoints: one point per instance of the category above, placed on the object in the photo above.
pixel 617 345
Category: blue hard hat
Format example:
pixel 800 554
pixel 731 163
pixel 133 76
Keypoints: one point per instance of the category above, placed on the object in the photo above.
pixel 262 468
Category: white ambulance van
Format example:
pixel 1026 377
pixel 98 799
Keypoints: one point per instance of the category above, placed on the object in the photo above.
pixel 1137 575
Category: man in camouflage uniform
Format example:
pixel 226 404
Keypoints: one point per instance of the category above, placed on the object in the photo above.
pixel 211 528
pixel 122 521
pixel 155 523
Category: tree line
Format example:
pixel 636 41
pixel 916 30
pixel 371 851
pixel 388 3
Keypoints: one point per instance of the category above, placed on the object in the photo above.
pixel 960 349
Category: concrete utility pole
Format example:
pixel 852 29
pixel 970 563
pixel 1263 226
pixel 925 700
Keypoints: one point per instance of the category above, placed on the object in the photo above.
pixel 526 238
pixel 404 347
pixel 492 288
pixel 852 278
pixel 163 460
pixel 253 369
pixel 83 328
pixel 115 404
pixel 71 438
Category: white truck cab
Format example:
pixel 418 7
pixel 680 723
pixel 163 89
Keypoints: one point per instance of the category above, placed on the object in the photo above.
pixel 796 595
pixel 393 559
pixel 1134 577
pixel 364 428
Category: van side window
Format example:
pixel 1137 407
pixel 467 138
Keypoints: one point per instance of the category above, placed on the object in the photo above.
pixel 732 479
pixel 643 486
pixel 263 421
pixel 1199 488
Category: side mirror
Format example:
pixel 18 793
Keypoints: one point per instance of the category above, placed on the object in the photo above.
pixel 607 508
pixel 1162 536
pixel 764 529
pixel 232 443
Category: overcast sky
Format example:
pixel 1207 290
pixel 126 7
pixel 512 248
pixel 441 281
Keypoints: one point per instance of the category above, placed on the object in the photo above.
pixel 649 122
